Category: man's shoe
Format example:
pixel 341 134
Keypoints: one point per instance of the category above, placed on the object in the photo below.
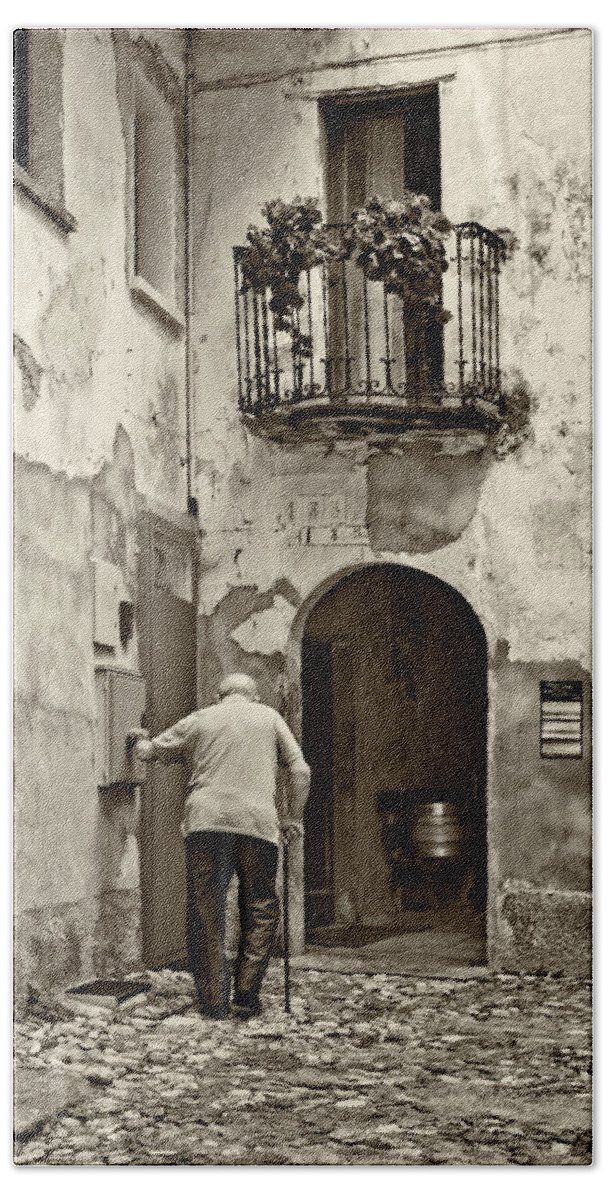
pixel 244 1012
pixel 215 1013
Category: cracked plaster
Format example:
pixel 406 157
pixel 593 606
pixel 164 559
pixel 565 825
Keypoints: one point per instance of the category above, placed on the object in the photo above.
pixel 266 632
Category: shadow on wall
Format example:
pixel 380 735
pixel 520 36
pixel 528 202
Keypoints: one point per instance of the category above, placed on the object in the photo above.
pixel 423 494
pixel 424 498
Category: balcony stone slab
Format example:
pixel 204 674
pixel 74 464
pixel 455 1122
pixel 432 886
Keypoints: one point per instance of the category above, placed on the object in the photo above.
pixel 367 419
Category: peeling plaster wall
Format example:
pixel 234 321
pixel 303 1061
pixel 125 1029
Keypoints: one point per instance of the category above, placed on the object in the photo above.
pixel 99 435
pixel 77 859
pixel 100 358
pixel 501 153
pixel 512 536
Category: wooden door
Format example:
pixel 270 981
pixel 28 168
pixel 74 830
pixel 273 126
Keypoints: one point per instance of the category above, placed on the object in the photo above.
pixel 382 146
pixel 167 618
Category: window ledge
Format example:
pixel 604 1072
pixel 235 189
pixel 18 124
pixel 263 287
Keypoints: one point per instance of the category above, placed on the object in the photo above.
pixel 158 302
pixel 36 192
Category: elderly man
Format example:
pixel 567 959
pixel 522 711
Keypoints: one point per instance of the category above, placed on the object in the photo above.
pixel 231 824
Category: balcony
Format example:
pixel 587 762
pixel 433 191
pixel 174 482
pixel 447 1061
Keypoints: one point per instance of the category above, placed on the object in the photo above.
pixel 373 366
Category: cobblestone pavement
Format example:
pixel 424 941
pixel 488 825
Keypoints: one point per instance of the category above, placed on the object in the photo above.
pixel 368 1069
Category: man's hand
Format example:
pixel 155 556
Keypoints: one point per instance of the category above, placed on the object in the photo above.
pixel 291 830
pixel 136 735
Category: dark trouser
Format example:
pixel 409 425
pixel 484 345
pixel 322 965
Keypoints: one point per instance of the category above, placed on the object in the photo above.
pixel 211 860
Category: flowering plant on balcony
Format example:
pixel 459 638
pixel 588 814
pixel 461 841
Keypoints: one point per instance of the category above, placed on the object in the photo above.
pixel 295 240
pixel 400 243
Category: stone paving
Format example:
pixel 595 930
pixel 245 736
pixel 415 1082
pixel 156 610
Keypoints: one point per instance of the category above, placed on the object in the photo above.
pixel 367 1069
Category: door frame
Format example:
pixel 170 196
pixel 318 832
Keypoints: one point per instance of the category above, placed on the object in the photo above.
pixel 295 691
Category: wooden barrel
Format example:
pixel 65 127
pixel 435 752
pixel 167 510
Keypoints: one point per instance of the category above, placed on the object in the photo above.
pixel 437 832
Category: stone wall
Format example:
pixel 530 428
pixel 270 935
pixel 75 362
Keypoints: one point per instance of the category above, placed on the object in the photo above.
pixel 99 436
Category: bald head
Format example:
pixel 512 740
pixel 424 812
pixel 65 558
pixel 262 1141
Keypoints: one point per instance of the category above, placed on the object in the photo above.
pixel 238 685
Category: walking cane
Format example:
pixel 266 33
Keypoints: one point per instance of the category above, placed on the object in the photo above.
pixel 286 921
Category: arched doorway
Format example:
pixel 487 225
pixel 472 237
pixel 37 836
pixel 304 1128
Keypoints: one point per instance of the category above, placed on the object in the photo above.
pixel 394 691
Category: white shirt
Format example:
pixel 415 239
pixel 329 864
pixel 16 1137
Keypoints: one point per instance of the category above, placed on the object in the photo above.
pixel 234 749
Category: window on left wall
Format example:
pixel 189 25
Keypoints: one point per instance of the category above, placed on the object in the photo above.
pixel 21 138
pixel 38 119
pixel 158 195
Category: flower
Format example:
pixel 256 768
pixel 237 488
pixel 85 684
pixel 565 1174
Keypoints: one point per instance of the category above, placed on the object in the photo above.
pixel 400 242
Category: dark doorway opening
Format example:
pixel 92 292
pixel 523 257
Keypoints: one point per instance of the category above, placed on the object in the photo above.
pixel 382 145
pixel 394 685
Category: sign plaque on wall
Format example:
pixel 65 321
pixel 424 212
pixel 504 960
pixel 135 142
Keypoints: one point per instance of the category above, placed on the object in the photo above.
pixel 561 719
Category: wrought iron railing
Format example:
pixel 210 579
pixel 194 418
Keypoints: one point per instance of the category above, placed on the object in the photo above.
pixel 369 344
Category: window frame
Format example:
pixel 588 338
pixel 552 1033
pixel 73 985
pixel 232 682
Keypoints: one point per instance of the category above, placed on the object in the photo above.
pixel 337 112
pixel 146 69
pixel 418 110
pixel 40 120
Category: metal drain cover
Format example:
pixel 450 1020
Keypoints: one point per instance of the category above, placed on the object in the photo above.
pixel 109 991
